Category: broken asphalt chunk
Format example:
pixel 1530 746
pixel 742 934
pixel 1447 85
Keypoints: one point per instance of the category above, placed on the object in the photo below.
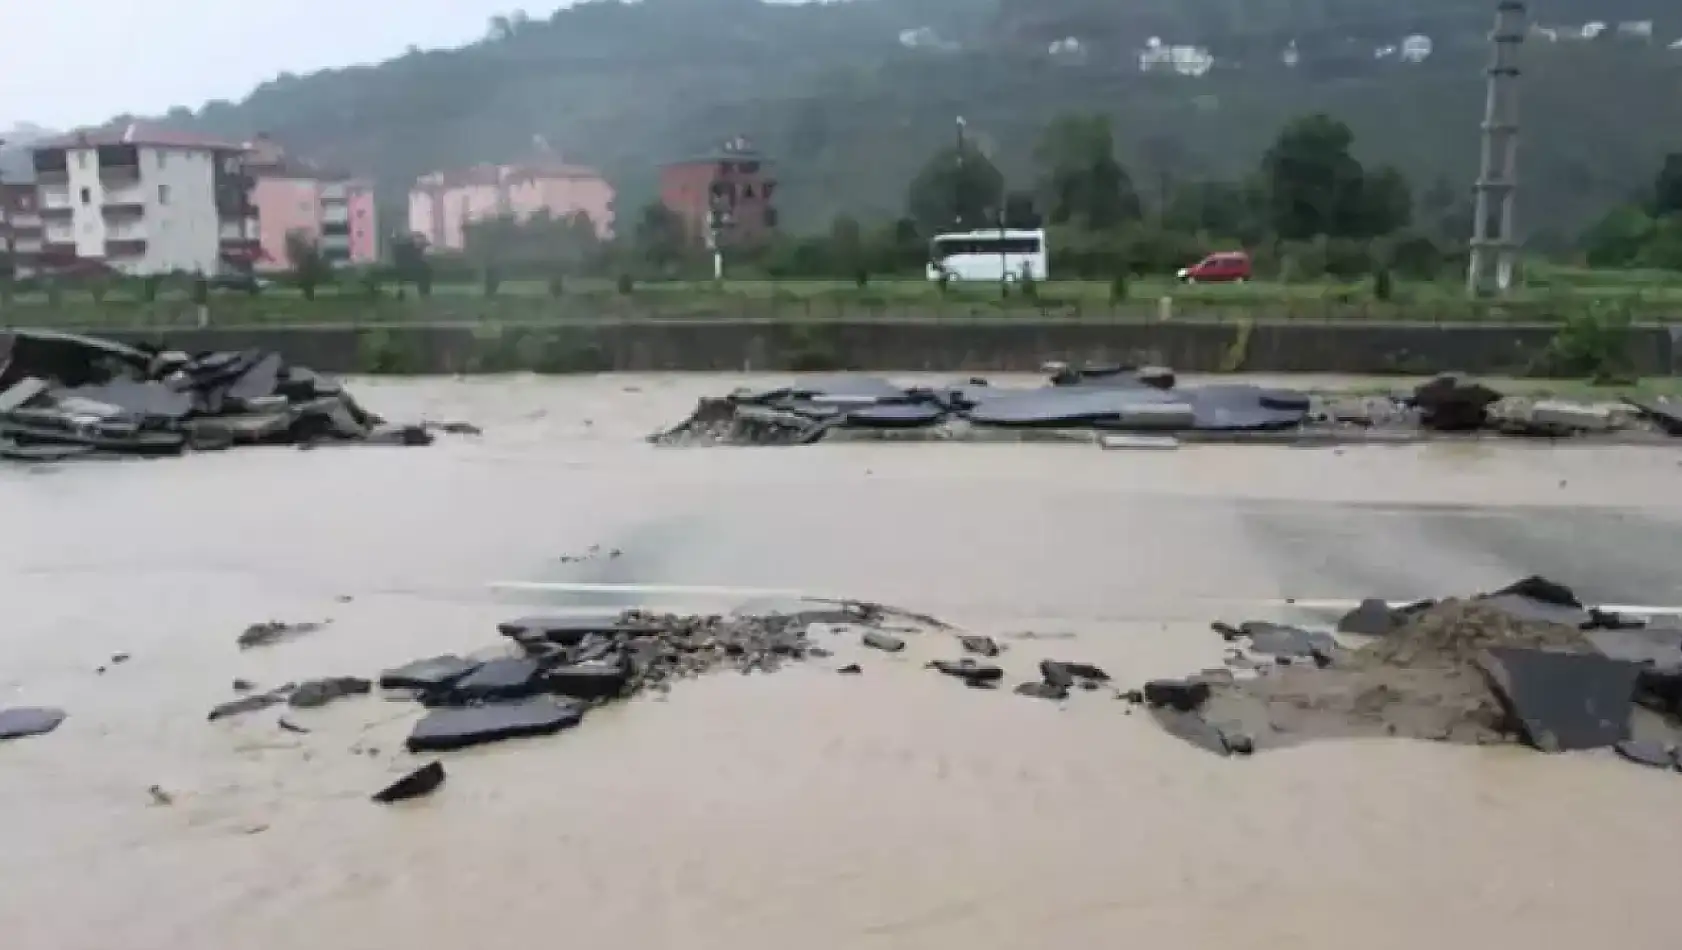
pixel 460 727
pixel 429 674
pixel 1650 754
pixel 566 631
pixel 505 678
pixel 1042 690
pixel 422 781
pixel 1280 640
pixel 21 721
pixel 312 694
pixel 593 679
pixel 983 646
pixel 969 671
pixel 1559 702
pixel 1185 695
pixel 252 703
pixel 877 640
pixel 1373 618
pixel 273 631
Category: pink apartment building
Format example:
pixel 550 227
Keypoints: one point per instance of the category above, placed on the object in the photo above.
pixel 442 203
pixel 334 209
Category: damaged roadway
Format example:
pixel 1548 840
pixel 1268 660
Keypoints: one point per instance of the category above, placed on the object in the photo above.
pixel 1148 407
pixel 1525 664
pixel 65 396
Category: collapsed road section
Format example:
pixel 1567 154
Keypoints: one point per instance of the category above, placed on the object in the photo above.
pixel 1527 664
pixel 65 396
pixel 1127 407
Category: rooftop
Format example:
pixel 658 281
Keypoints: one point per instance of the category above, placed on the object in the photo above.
pixel 148 134
pixel 510 174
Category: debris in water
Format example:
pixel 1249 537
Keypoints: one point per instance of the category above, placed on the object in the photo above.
pixel 422 781
pixel 273 631
pixel 458 728
pixel 311 694
pixel 66 396
pixel 252 703
pixel 21 721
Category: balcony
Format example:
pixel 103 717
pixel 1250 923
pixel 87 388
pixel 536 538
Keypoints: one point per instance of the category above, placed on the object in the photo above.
pixel 57 232
pixel 123 207
pixel 23 245
pixel 335 213
pixel 25 221
pixel 233 229
pixel 55 199
pixel 118 175
pixel 125 247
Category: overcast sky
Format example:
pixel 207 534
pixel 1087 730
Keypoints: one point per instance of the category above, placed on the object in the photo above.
pixel 75 62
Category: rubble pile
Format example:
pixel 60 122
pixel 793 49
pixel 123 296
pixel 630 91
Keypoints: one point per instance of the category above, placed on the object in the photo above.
pixel 1144 407
pixel 65 396
pixel 1525 664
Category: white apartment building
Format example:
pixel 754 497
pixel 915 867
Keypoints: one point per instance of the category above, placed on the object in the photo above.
pixel 145 200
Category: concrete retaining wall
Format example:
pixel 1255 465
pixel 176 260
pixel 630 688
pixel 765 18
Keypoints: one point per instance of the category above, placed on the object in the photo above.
pixel 976 346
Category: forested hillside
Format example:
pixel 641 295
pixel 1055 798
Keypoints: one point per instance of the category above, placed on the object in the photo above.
pixel 851 113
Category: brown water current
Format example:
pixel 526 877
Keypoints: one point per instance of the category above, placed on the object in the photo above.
pixel 801 809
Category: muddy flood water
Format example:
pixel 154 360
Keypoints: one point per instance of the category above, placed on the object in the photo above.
pixel 802 809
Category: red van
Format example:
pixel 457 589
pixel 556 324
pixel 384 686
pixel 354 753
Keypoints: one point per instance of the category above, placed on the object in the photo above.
pixel 1225 267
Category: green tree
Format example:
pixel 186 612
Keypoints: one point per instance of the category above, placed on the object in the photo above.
pixel 1667 187
pixel 1082 181
pixel 1386 204
pixel 1021 211
pixel 661 239
pixel 958 189
pixel 310 268
pixel 1618 238
pixel 1313 182
pixel 409 263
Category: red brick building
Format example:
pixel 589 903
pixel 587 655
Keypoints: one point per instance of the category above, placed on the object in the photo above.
pixel 733 186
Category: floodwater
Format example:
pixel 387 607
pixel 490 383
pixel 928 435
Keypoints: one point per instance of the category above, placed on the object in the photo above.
pixel 804 809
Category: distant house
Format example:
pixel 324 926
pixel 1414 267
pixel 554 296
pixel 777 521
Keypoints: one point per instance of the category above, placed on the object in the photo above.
pixel 731 188
pixel 332 208
pixel 1180 60
pixel 443 203
pixel 144 199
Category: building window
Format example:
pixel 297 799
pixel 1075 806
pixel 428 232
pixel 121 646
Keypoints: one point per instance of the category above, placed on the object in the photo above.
pixel 81 159
pixel 747 191
pixel 163 193
pixel 163 158
pixel 87 196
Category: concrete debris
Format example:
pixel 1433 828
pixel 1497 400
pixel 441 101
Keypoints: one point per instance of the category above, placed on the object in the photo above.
pixel 970 671
pixel 1117 407
pixel 21 721
pixel 422 781
pixel 313 694
pixel 252 703
pixel 1563 701
pixel 1527 663
pixel 273 631
pixel 65 396
pixel 460 727
pixel 1651 754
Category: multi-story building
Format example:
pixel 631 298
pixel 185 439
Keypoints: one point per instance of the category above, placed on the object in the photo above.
pixel 442 204
pixel 730 190
pixel 142 199
pixel 20 227
pixel 333 209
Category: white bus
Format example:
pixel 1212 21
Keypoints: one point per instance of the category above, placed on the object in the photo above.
pixel 990 255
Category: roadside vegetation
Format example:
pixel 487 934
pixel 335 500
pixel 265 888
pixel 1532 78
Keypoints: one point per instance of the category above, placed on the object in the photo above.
pixel 1329 238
